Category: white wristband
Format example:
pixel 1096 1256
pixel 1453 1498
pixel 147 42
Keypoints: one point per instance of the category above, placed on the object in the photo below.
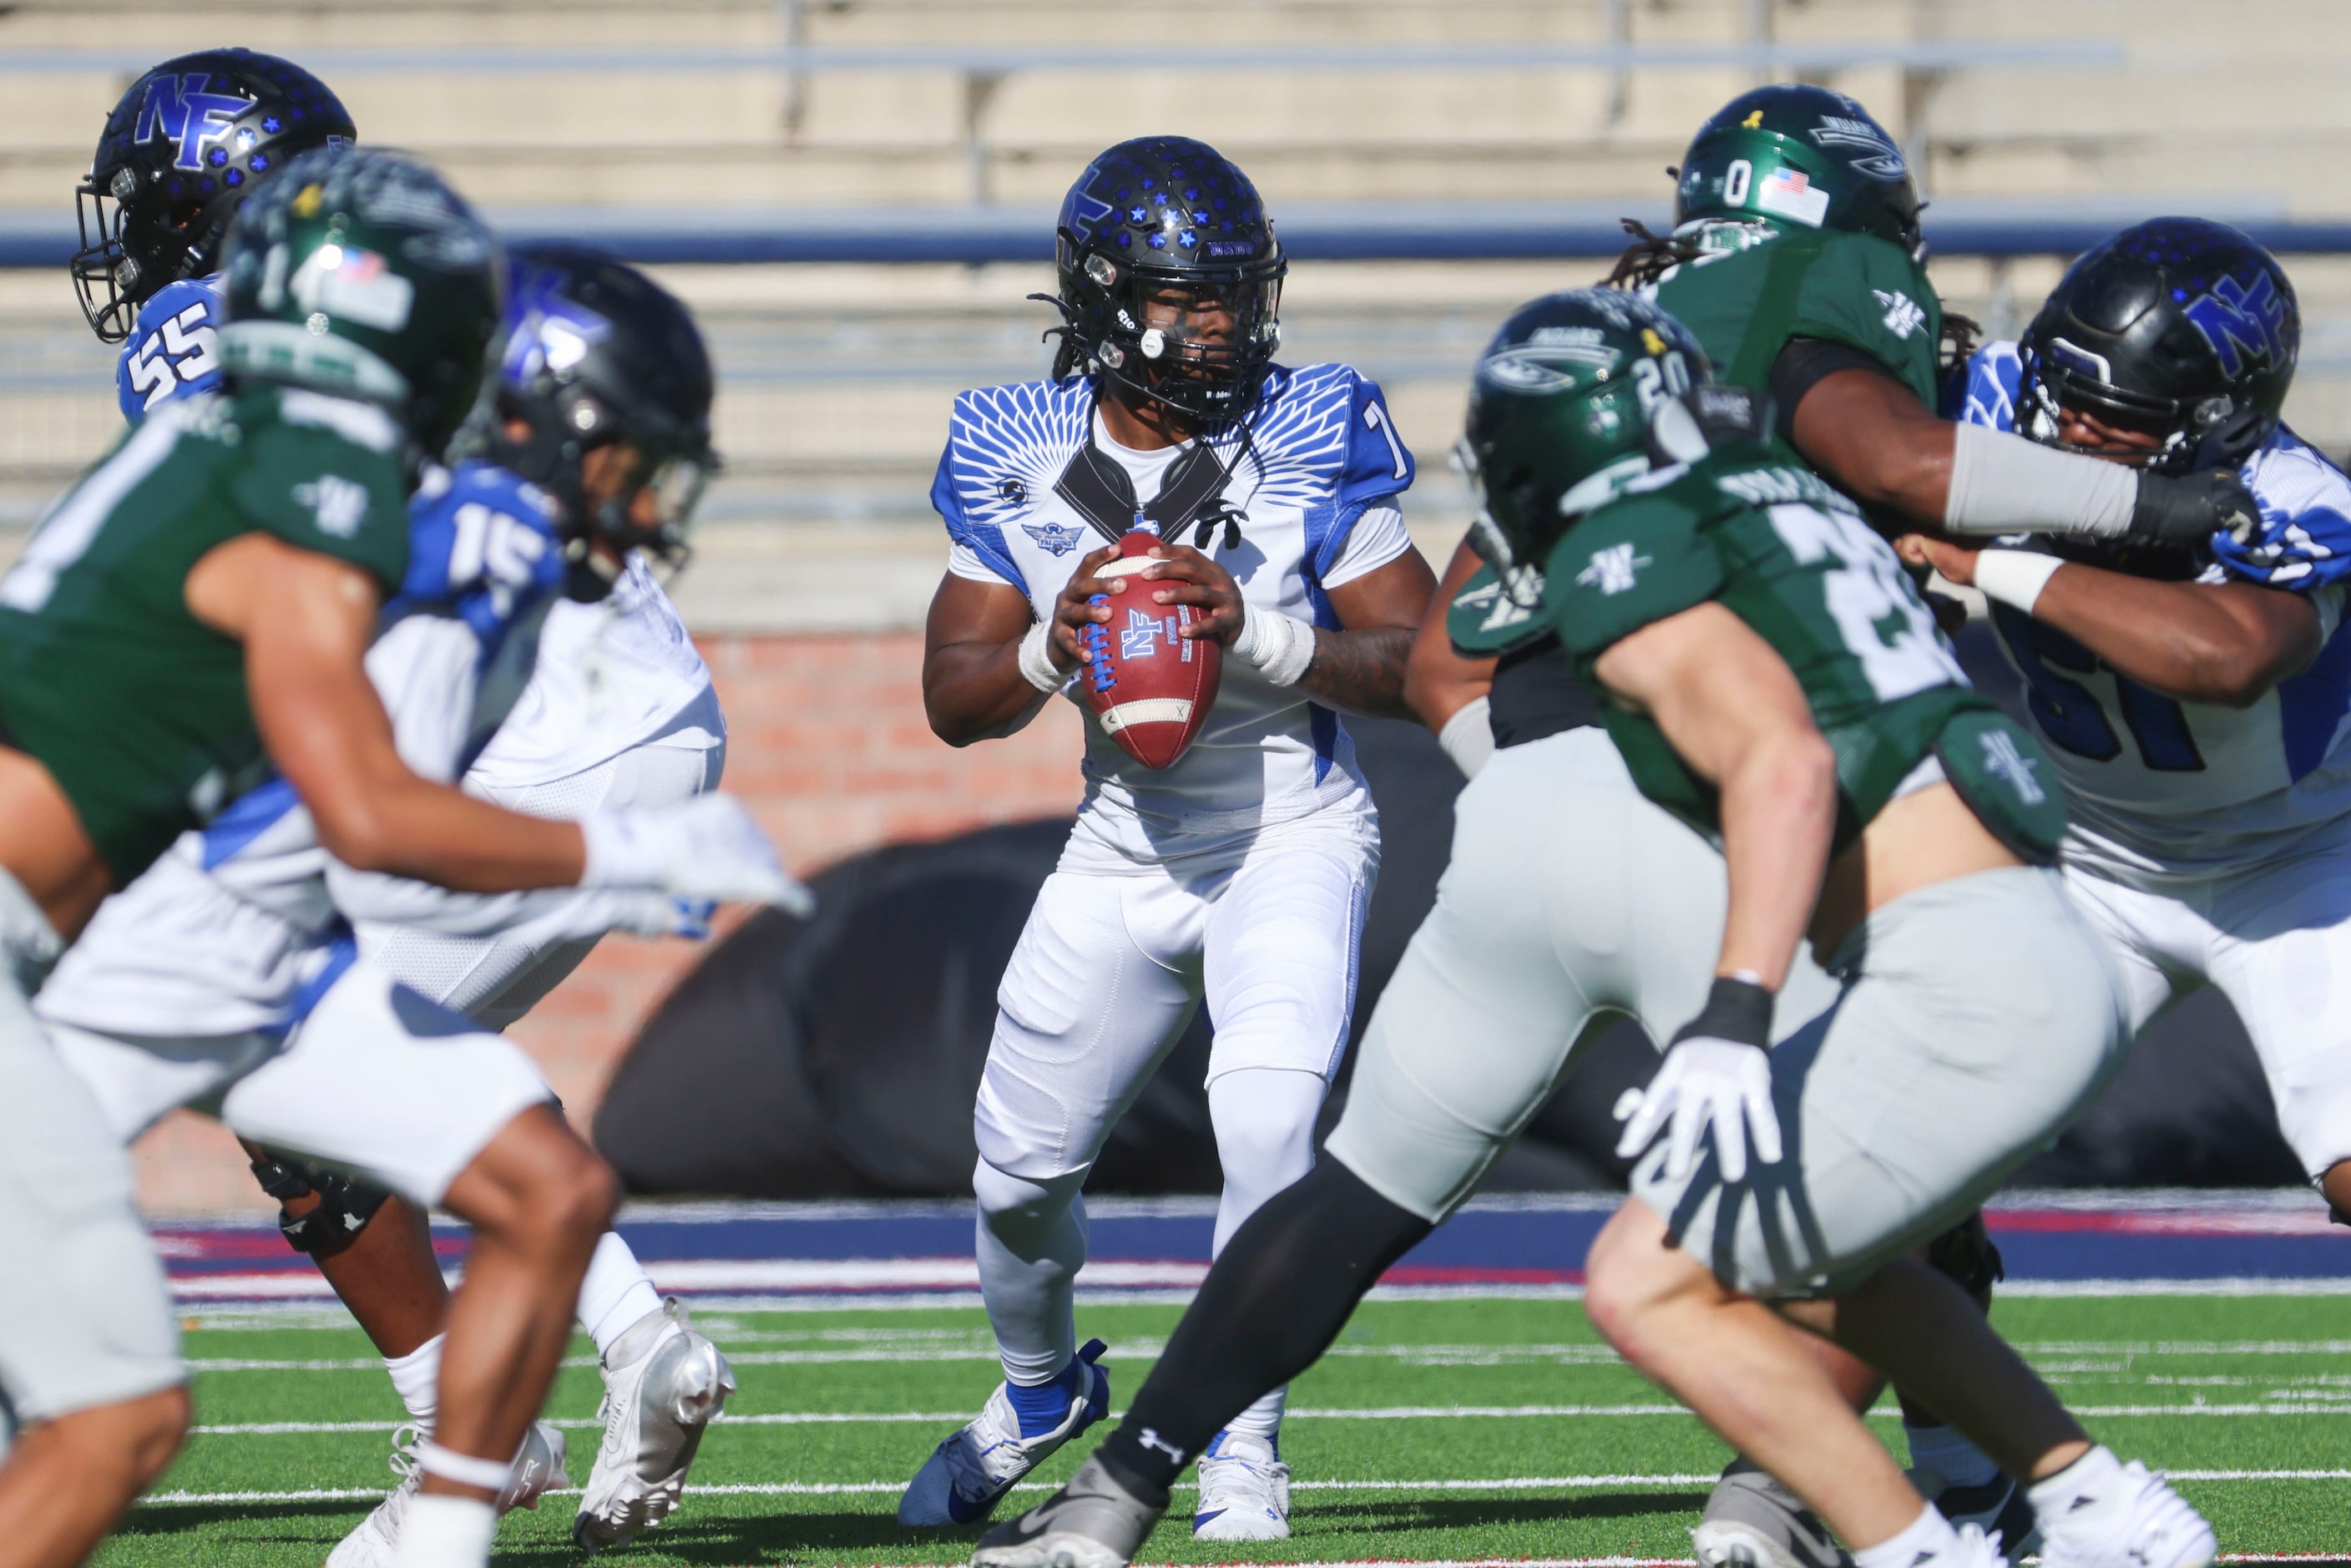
pixel 1278 646
pixel 1469 737
pixel 1037 659
pixel 2014 576
pixel 465 1469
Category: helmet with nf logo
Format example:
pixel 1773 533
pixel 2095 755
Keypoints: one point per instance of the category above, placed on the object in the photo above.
pixel 359 272
pixel 180 152
pixel 1559 412
pixel 1793 157
pixel 2182 328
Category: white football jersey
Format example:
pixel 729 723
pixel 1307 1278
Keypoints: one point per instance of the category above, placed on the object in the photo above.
pixel 1313 475
pixel 609 676
pixel 2165 791
pixel 241 925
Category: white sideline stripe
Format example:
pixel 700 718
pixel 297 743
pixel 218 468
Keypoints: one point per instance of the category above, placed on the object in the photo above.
pixel 1509 1483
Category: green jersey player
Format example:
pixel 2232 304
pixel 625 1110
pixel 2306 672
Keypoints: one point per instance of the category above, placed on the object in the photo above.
pixel 1797 260
pixel 194 612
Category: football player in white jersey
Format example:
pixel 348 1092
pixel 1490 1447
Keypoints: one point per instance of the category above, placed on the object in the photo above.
pixel 620 709
pixel 2196 704
pixel 1237 874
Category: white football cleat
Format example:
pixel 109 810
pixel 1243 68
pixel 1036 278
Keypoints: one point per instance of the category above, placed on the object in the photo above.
pixel 968 1474
pixel 1244 1491
pixel 657 1403
pixel 537 1470
pixel 2139 1522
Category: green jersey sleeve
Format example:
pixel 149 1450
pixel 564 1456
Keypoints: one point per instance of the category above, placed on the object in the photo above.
pixel 323 488
pixel 1854 289
pixel 1629 564
pixel 1864 292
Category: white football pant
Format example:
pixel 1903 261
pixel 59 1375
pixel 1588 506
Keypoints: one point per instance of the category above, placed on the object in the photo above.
pixel 1114 957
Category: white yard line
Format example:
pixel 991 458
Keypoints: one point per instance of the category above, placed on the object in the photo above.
pixel 1296 1413
pixel 1509 1483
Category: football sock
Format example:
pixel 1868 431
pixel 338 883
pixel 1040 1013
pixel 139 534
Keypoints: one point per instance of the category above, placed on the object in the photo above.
pixel 1262 1419
pixel 2075 1500
pixel 443 1532
pixel 1925 1543
pixel 1273 1303
pixel 1950 1455
pixel 1030 1242
pixel 417 1378
pixel 614 1295
pixel 1045 1405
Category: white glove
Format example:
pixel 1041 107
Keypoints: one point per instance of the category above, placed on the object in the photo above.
pixel 1718 1073
pixel 1700 1081
pixel 707 848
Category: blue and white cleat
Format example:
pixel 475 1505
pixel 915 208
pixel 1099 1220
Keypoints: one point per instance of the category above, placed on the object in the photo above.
pixel 968 1474
pixel 1244 1491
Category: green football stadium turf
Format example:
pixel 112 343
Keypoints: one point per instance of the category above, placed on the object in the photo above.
pixel 1439 1430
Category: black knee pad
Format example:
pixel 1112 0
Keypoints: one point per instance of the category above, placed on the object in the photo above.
pixel 1965 1253
pixel 342 1211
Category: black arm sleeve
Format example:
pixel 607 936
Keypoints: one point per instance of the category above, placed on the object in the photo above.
pixel 1803 363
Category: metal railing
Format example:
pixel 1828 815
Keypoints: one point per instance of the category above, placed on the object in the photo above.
pixel 983 68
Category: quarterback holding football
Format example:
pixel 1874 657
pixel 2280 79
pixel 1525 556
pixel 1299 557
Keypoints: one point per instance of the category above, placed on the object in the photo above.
pixel 1226 846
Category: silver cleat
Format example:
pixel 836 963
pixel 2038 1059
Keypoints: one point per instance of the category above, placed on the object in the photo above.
pixel 656 1406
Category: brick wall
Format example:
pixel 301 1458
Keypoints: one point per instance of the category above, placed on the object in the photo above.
pixel 828 745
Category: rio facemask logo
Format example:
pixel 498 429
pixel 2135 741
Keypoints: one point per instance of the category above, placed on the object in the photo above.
pixel 178 109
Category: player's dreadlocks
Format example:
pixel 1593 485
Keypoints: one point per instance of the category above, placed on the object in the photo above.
pixel 1650 255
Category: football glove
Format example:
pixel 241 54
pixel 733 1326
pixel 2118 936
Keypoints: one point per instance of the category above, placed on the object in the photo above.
pixel 1718 1074
pixel 2190 508
pixel 707 848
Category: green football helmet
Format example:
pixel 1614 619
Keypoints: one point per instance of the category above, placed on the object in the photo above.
pixel 1560 412
pixel 359 272
pixel 1791 157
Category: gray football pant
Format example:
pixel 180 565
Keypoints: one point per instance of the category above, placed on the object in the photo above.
pixel 1569 900
pixel 1979 1017
pixel 85 1318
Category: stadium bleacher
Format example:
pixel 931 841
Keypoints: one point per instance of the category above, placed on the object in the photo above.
pixel 950 118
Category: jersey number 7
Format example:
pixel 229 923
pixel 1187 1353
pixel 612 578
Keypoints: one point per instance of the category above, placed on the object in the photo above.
pixel 2070 714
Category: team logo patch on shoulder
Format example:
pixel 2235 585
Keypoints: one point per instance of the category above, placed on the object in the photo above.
pixel 339 505
pixel 1904 315
pixel 1614 569
pixel 1056 540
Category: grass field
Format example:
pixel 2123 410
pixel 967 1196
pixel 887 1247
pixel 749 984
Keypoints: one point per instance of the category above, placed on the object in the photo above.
pixel 1462 1429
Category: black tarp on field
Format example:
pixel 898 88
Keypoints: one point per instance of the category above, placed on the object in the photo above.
pixel 839 1056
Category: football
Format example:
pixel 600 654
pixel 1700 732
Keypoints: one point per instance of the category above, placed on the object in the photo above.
pixel 1149 686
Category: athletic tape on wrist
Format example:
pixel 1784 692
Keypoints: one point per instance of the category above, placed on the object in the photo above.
pixel 465 1469
pixel 1037 659
pixel 1467 737
pixel 2014 576
pixel 1279 646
